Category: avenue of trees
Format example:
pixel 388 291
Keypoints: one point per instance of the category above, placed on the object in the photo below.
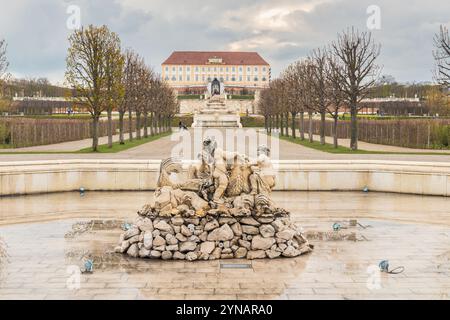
pixel 107 79
pixel 339 74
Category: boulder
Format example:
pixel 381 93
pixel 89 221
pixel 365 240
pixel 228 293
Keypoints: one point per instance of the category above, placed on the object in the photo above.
pixel 166 255
pixel 191 256
pixel 278 225
pixel 145 225
pixel 174 247
pixel 134 239
pixel 216 254
pixel 171 239
pixel 267 231
pixel 207 247
pixel 185 231
pixel 177 221
pixel 180 237
pixel 124 246
pixel 259 254
pixel 250 230
pixel 250 221
pixel 223 233
pixel 246 244
pixel 132 233
pixel 237 229
pixel 148 240
pixel 291 252
pixel 144 253
pixel 241 253
pixel 214 224
pixel 164 226
pixel 286 234
pixel 159 241
pixel 272 254
pixel 261 243
pixel 178 256
pixel 133 251
pixel 187 246
pixel 155 254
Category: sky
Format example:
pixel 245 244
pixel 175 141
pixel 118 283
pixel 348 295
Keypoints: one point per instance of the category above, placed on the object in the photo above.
pixel 282 31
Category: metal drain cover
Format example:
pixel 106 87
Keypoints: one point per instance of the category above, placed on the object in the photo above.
pixel 235 266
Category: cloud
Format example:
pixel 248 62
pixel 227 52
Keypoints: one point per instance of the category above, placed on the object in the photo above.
pixel 281 31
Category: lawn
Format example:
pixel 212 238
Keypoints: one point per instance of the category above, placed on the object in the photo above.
pixel 345 150
pixel 117 147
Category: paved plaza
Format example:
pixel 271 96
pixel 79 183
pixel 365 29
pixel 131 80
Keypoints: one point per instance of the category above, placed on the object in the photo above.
pixel 38 244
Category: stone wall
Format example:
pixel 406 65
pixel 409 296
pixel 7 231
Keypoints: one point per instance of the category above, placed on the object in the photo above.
pixel 18 178
pixel 188 106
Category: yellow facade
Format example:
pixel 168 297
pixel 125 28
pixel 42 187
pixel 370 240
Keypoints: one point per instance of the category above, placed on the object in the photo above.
pixel 248 76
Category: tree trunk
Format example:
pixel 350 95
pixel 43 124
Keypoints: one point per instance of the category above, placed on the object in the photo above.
pixel 322 127
pixel 138 125
pixel 354 127
pixel 121 131
pixel 152 124
pixel 335 134
pixel 310 131
pixel 130 124
pixel 266 126
pixel 294 135
pixel 110 133
pixel 145 124
pixel 281 125
pixel 302 126
pixel 160 124
pixel 95 120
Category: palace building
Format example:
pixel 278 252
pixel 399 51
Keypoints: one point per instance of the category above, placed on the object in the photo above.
pixel 195 71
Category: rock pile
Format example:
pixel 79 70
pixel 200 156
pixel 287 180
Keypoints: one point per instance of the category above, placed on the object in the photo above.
pixel 213 237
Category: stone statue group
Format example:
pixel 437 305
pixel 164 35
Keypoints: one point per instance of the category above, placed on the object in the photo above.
pixel 223 210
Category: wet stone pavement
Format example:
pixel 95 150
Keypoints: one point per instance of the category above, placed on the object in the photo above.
pixel 38 257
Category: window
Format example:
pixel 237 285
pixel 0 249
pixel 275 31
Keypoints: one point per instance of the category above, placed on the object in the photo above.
pixel 264 79
pixel 174 69
pixel 264 69
pixel 240 69
pixel 203 78
pixel 167 78
pixel 249 69
pixel 188 69
pixel 240 78
pixel 188 78
pixel 234 69
pixel 209 69
pixel 167 69
pixel 248 78
pixel 209 79
pixel 203 69
pixel 180 69
pixel 221 79
pixel 196 77
pixel 215 69
pixel 228 69
pixel 256 69
pixel 181 78
pixel 228 78
pixel 256 78
pixel 221 69
pixel 196 69
pixel 174 78
pixel 233 78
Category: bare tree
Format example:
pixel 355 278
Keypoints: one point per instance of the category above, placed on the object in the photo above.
pixel 128 80
pixel 4 64
pixel 442 57
pixel 357 53
pixel 320 101
pixel 114 63
pixel 334 93
pixel 86 70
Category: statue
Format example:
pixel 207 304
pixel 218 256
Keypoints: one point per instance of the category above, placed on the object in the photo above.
pixel 223 210
pixel 262 179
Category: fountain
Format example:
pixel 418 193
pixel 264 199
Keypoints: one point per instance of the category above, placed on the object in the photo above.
pixel 223 210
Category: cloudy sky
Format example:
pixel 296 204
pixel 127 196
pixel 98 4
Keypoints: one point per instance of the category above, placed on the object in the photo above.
pixel 280 30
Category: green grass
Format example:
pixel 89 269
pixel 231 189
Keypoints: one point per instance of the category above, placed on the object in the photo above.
pixel 344 150
pixel 81 116
pixel 242 97
pixel 117 147
pixel 189 97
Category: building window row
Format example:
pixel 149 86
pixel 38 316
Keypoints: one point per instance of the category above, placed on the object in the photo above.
pixel 216 69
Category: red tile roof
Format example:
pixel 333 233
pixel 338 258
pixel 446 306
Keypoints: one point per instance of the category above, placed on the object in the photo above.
pixel 202 58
